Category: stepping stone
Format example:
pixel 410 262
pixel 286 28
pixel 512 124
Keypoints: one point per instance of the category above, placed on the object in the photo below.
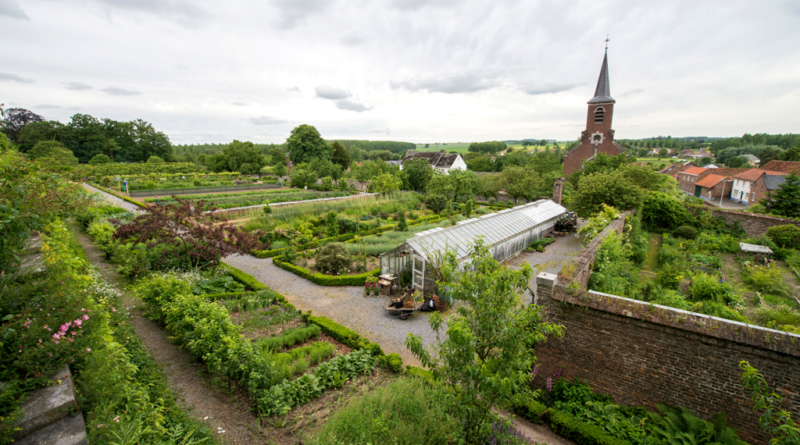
pixel 48 405
pixel 70 430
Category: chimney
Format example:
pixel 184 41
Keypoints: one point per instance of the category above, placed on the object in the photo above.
pixel 558 189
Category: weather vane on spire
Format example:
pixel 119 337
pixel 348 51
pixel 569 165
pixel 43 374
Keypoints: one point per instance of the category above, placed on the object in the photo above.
pixel 607 40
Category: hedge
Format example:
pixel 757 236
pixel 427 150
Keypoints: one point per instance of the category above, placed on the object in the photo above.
pixel 244 278
pixel 123 197
pixel 424 374
pixel 326 280
pixel 565 425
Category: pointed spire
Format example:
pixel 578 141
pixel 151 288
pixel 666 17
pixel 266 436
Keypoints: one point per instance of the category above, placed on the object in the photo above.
pixel 603 91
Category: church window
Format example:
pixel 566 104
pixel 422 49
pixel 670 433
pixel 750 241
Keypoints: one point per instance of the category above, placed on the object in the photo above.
pixel 598 115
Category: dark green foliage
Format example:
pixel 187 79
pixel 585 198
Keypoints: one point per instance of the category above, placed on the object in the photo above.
pixel 583 433
pixel 99 159
pixel 419 173
pixel 224 284
pixel 340 155
pixel 611 188
pixel 402 225
pixel 663 212
pixel 786 200
pixel 244 278
pixel 334 258
pixel 340 333
pixel 686 232
pixel 436 202
pixel 305 144
pixel 785 236
pixel 490 147
pixel 679 425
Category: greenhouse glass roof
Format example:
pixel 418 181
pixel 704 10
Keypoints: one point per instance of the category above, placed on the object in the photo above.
pixel 495 228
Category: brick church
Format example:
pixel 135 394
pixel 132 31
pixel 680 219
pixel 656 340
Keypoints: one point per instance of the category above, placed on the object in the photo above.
pixel 598 136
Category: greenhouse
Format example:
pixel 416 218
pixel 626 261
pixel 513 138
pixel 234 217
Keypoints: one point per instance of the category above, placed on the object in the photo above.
pixel 506 233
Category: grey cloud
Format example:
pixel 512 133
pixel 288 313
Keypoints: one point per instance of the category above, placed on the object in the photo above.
pixel 548 88
pixel 354 38
pixel 77 86
pixel 332 93
pixel 296 89
pixel 239 104
pixel 266 120
pixel 294 11
pixel 344 104
pixel 12 9
pixel 449 84
pixel 117 91
pixel 47 106
pixel 14 78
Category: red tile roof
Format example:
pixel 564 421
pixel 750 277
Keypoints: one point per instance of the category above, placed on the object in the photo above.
pixel 755 173
pixel 782 166
pixel 710 181
pixel 694 170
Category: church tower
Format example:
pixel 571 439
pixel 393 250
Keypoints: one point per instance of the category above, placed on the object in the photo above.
pixel 598 137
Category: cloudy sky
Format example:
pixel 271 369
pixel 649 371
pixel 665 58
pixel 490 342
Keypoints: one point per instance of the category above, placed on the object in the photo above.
pixel 411 70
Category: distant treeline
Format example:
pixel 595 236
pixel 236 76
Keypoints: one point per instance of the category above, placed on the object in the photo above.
pixel 784 141
pixel 490 147
pixel 392 146
pixel 192 152
pixel 86 136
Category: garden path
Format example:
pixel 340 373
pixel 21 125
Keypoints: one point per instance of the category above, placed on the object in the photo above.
pixel 554 257
pixel 187 377
pixel 345 305
pixel 111 198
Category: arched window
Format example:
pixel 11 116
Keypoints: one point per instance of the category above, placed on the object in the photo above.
pixel 598 115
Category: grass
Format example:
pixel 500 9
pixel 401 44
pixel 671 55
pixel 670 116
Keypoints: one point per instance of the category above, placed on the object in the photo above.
pixel 289 338
pixel 407 411
pixel 226 194
pixel 651 261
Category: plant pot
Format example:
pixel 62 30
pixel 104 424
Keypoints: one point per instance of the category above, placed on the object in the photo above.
pixel 440 305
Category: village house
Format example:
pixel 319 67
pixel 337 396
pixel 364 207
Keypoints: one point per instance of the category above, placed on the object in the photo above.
pixel 752 160
pixel 687 180
pixel 743 190
pixel 783 166
pixel 439 160
pixel 765 186
pixel 714 186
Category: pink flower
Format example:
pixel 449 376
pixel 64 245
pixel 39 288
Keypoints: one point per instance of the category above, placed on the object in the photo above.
pixel 83 310
pixel 86 317
pixel 56 336
pixel 88 350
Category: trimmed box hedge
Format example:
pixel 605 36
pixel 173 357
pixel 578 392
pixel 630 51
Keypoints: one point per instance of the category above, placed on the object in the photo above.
pixel 122 197
pixel 565 425
pixel 244 278
pixel 326 280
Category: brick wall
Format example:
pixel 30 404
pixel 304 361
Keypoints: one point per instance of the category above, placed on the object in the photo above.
pixel 754 224
pixel 644 354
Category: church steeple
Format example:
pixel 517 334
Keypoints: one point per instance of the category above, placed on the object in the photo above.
pixel 602 94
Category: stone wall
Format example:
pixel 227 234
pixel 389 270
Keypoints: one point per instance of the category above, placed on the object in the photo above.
pixel 643 354
pixel 753 224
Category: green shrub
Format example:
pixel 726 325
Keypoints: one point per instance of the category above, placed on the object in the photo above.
pixel 670 276
pixel 218 285
pixel 686 232
pixel 338 332
pixel 785 236
pixel 391 361
pixel 719 310
pixel 766 279
pixel 326 280
pixel 680 423
pixel 334 258
pixel 778 315
pixel 528 409
pixel 706 287
pixel 244 278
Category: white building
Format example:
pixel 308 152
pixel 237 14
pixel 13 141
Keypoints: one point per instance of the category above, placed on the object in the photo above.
pixel 437 159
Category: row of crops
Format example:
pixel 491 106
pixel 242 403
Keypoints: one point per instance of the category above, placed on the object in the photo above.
pixel 232 200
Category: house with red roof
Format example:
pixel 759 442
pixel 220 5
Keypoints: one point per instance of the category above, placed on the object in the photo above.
pixel 687 180
pixel 714 186
pixel 743 190
pixel 783 166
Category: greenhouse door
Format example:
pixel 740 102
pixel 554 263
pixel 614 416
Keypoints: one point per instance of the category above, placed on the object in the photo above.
pixel 419 273
pixel 698 191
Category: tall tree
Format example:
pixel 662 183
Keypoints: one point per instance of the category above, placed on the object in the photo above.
pixel 485 358
pixel 305 144
pixel 786 200
pixel 340 155
pixel 15 119
pixel 419 173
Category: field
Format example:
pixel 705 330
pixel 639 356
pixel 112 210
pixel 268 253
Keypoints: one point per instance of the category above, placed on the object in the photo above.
pixel 462 147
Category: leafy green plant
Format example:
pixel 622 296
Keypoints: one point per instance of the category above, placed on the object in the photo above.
pixel 680 426
pixel 707 287
pixel 289 338
pixel 785 236
pixel 218 285
pixel 766 279
pixel 686 232
pixel 598 222
pixel 334 258
pixel 773 419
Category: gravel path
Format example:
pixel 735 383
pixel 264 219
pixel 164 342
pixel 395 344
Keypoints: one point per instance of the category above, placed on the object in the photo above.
pixel 111 198
pixel 345 305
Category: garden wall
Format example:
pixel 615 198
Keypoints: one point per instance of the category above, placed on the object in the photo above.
pixel 753 224
pixel 643 354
